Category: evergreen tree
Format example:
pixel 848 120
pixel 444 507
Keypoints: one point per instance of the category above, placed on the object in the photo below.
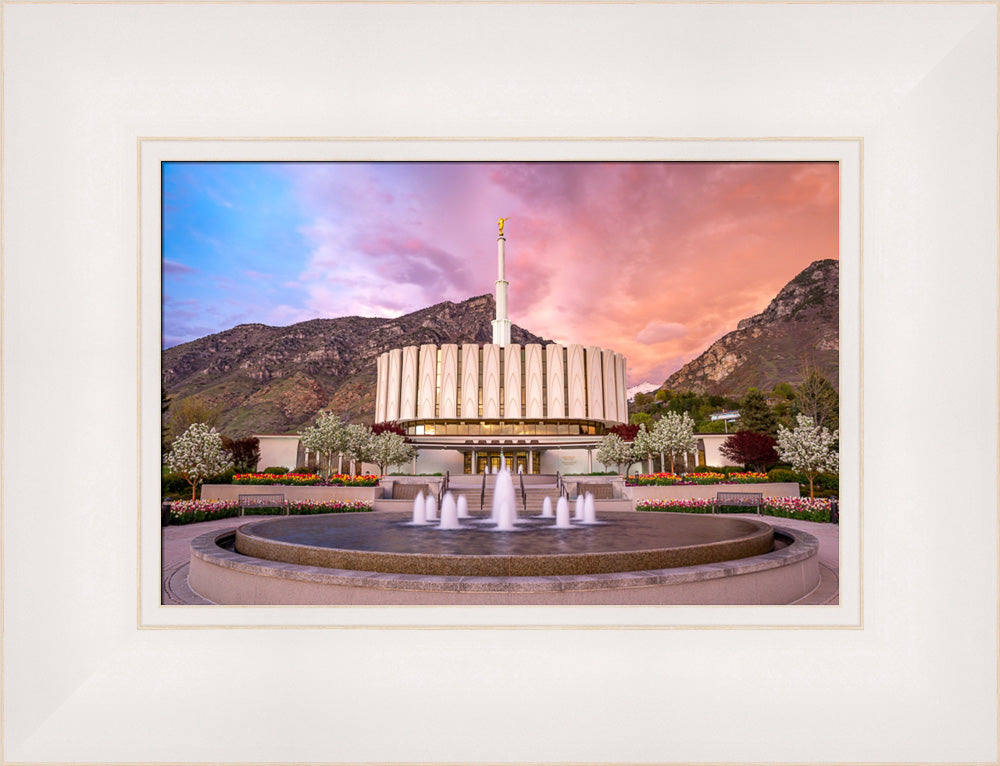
pixel 756 415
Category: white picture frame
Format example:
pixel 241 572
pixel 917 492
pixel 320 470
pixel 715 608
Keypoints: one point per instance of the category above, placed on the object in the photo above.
pixel 88 674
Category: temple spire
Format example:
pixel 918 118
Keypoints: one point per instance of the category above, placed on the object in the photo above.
pixel 501 325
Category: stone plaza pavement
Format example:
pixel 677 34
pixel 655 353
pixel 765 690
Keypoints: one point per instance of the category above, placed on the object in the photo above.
pixel 176 557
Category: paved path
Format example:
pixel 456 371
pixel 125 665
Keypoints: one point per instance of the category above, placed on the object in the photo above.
pixel 177 555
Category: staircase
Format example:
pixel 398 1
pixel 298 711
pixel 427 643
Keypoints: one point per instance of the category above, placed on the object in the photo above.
pixel 536 489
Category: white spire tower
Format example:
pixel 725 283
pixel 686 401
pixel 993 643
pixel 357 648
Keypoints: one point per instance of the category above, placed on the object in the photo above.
pixel 501 325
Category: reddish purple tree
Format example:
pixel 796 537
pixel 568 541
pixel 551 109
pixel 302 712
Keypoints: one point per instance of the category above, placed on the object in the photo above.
pixel 388 425
pixel 626 432
pixel 750 449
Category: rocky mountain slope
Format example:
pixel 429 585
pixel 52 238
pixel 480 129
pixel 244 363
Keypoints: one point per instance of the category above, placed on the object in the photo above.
pixel 800 326
pixel 265 379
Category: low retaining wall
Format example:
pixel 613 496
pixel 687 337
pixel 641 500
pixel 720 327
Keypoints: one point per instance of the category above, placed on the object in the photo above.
pixel 338 494
pixel 784 576
pixel 709 491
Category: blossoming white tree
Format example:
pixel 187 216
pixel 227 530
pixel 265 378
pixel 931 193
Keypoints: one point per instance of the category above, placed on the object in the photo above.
pixel 358 444
pixel 674 434
pixel 197 454
pixel 646 445
pixel 810 449
pixel 389 449
pixel 615 451
pixel 328 437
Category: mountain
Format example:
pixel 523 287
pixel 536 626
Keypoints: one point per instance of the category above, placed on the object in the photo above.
pixel 642 388
pixel 265 379
pixel 799 327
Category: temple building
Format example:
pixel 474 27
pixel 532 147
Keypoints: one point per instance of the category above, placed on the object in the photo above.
pixel 466 407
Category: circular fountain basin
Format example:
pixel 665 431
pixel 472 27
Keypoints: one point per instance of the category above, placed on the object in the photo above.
pixel 381 559
pixel 385 542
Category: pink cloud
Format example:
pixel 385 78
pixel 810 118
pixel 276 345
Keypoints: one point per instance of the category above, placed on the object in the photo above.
pixel 655 260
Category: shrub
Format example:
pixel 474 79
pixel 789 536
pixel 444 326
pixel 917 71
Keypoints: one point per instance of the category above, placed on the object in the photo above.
pixel 783 475
pixel 276 470
pixel 226 477
pixel 173 484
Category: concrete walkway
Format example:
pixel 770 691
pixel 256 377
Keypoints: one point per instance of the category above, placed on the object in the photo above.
pixel 177 555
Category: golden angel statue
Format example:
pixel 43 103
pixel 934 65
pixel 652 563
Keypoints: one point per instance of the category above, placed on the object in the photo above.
pixel 500 224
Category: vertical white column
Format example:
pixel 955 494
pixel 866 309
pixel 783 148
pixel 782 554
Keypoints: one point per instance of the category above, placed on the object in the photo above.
pixel 622 389
pixel 577 375
pixel 395 378
pixel 512 382
pixel 555 407
pixel 610 389
pixel 534 406
pixel 501 325
pixel 448 395
pixel 408 387
pixel 382 386
pixel 595 384
pixel 491 381
pixel 470 381
pixel 426 395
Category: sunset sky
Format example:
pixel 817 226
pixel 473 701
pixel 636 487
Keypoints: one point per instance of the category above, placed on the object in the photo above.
pixel 654 260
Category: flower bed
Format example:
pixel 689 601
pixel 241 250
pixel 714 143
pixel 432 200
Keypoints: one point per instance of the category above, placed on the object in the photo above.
pixel 306 480
pixel 748 477
pixel 671 480
pixel 193 511
pixel 784 507
pixel 654 480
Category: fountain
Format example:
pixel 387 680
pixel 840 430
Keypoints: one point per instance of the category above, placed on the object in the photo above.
pixel 449 513
pixel 623 557
pixel 578 508
pixel 419 509
pixel 547 508
pixel 504 501
pixel 562 514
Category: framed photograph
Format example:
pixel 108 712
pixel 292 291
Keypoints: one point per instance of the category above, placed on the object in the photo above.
pixel 96 97
pixel 797 189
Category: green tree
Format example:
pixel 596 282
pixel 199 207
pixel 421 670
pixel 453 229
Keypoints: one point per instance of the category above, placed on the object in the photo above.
pixel 190 411
pixel 756 415
pixel 641 419
pixel 164 420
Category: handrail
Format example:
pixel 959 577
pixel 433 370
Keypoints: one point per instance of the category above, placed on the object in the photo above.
pixel 482 494
pixel 524 496
pixel 561 485
pixel 444 487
